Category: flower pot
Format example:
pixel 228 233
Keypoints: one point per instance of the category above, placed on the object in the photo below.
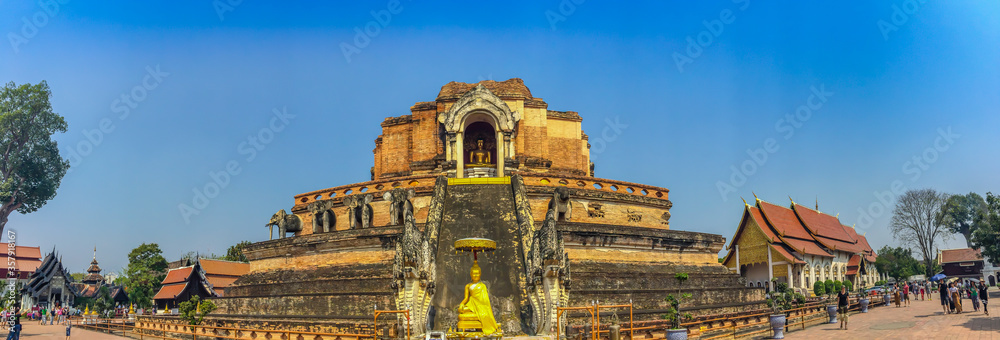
pixel 832 311
pixel 677 334
pixel 864 305
pixel 887 300
pixel 778 325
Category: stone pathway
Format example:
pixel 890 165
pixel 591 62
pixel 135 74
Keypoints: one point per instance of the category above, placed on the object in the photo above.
pixel 921 320
pixel 32 330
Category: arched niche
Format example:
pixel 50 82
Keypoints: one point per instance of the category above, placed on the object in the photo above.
pixel 479 105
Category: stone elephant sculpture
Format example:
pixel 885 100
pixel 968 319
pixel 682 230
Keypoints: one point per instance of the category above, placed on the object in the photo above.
pixel 359 210
pixel 399 204
pixel 285 222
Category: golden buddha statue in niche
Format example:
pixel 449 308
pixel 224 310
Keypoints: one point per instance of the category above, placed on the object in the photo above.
pixel 475 311
pixel 479 157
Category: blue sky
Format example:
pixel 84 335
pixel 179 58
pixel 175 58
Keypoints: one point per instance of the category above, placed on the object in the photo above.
pixel 198 83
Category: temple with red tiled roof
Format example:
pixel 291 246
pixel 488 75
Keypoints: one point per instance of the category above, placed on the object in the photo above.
pixel 26 261
pixel 204 278
pixel 799 246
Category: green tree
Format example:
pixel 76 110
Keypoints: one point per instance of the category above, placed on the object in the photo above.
pixel 103 304
pixel 987 237
pixel 235 252
pixel 819 288
pixel 193 311
pixel 898 263
pixel 146 270
pixel 849 285
pixel 836 286
pixel 77 276
pixel 31 167
pixel 916 221
pixel 961 214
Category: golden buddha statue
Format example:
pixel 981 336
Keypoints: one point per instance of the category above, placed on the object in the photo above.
pixel 475 311
pixel 479 156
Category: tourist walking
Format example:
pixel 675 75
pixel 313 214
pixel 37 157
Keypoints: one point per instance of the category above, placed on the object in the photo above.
pixel 943 292
pixel 974 295
pixel 41 313
pixel 906 294
pixel 842 306
pixel 984 297
pixel 956 297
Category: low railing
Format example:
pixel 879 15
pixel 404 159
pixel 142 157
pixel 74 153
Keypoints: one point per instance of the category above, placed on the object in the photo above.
pixel 599 184
pixel 161 330
pixel 581 182
pixel 370 187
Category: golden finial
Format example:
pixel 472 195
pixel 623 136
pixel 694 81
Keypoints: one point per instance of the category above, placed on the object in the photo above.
pixel 744 201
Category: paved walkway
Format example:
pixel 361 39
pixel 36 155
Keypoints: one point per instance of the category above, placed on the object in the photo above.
pixel 921 320
pixel 32 330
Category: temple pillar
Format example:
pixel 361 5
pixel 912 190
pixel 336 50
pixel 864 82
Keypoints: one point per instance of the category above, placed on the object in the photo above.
pixel 770 269
pixel 501 148
pixel 791 283
pixel 737 259
pixel 459 155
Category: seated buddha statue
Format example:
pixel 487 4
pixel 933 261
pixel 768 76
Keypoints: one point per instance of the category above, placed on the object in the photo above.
pixel 475 311
pixel 479 157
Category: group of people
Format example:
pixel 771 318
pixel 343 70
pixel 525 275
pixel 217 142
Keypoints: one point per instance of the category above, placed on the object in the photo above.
pixel 13 318
pixel 901 292
pixel 51 315
pixel 951 296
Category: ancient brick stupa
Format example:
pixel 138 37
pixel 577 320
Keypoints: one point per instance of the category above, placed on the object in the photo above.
pixel 485 160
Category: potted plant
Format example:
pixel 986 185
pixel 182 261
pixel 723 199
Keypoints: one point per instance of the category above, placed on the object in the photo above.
pixel 831 308
pixel 674 314
pixel 863 301
pixel 782 299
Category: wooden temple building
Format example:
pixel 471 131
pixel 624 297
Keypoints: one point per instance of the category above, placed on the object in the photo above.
pixel 50 285
pixel 204 278
pixel 962 263
pixel 91 284
pixel 798 245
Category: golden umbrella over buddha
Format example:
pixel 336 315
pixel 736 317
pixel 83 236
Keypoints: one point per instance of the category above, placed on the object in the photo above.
pixel 475 314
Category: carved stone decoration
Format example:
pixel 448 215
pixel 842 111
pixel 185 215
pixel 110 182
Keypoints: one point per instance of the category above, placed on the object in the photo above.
pixel 324 219
pixel 549 274
pixel 359 210
pixel 414 264
pixel 633 215
pixel 483 100
pixel 399 204
pixel 285 222
pixel 560 204
pixel 594 210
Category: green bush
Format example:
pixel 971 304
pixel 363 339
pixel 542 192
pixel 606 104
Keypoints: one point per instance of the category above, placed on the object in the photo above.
pixel 836 286
pixel 849 285
pixel 830 287
pixel 819 288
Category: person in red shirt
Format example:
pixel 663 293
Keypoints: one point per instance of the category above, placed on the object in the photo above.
pixel 906 294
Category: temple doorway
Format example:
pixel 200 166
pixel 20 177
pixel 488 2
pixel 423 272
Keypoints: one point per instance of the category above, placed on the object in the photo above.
pixel 480 150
